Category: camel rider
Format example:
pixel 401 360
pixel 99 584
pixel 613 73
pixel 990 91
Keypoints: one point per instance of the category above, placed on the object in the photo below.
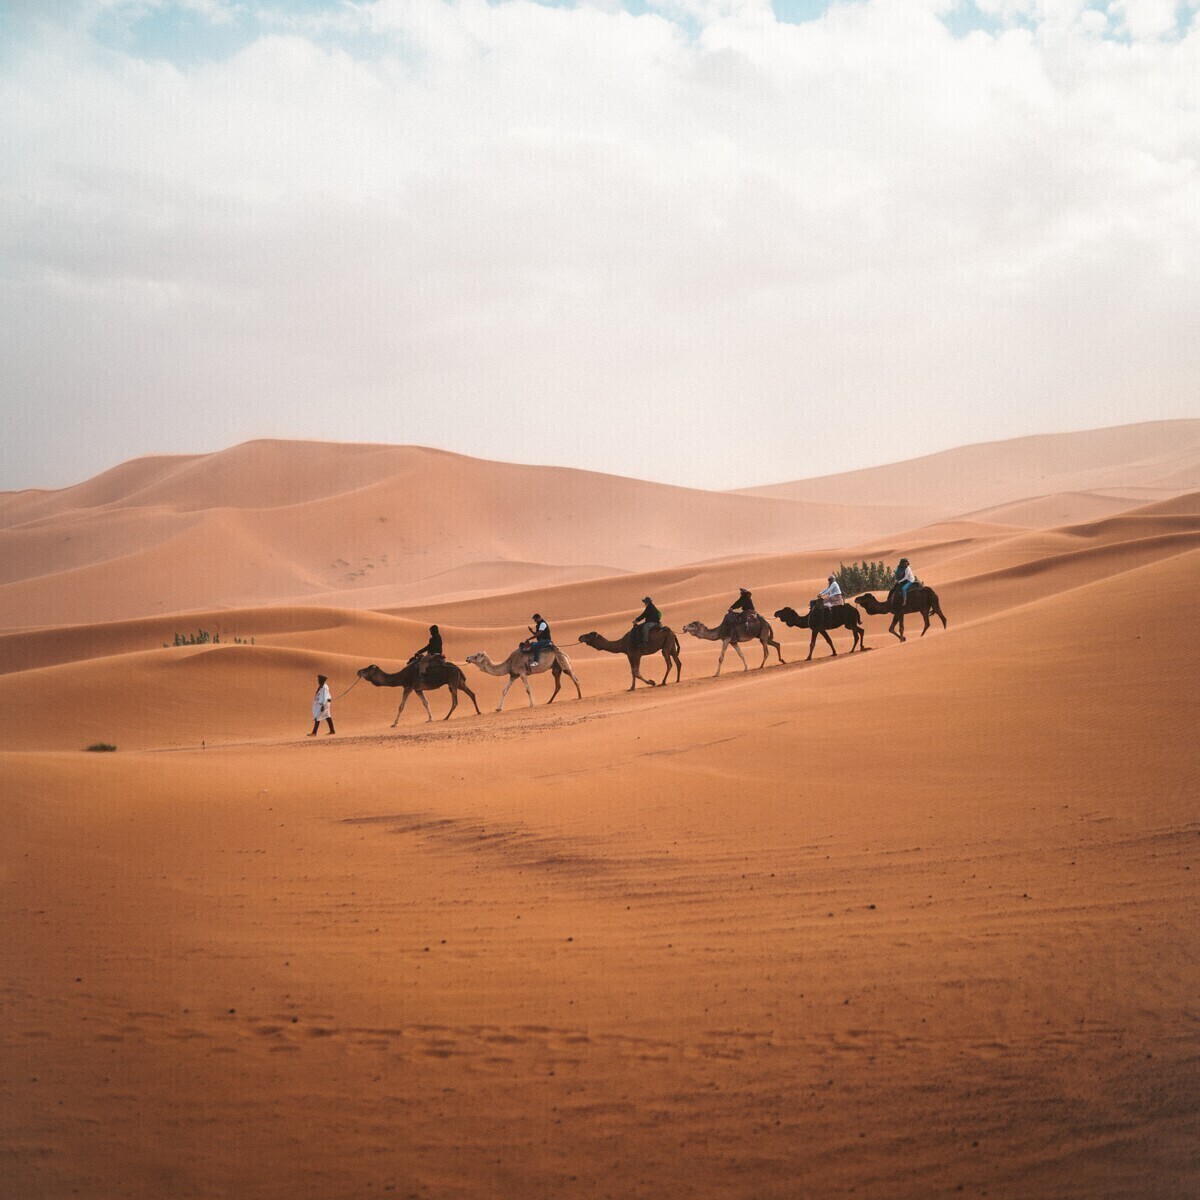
pixel 650 620
pixel 540 639
pixel 903 581
pixel 745 605
pixel 832 595
pixel 429 653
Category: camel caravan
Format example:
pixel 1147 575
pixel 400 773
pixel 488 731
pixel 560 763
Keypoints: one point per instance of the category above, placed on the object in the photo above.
pixel 428 669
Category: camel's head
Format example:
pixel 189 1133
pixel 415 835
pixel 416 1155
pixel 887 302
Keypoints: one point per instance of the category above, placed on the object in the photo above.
pixel 788 616
pixel 693 627
pixel 589 639
pixel 865 600
pixel 367 672
pixel 475 659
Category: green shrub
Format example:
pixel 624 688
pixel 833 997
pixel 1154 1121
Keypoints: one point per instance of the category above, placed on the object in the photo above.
pixel 102 746
pixel 864 577
pixel 202 637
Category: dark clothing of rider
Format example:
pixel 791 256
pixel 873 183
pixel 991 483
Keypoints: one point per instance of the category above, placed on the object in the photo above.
pixel 541 633
pixel 743 602
pixel 431 647
pixel 650 619
pixel 428 652
pixel 650 615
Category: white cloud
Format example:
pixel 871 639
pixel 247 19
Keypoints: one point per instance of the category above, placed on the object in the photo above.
pixel 456 223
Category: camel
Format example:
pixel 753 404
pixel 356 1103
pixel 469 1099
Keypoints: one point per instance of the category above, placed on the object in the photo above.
pixel 437 675
pixel 661 639
pixel 733 630
pixel 518 666
pixel 920 599
pixel 837 617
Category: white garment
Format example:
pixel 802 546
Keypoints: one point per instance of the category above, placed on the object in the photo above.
pixel 832 594
pixel 907 577
pixel 321 703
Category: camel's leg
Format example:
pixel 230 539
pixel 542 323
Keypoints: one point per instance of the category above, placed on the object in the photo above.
pixel 428 712
pixel 529 690
pixel 636 667
pixel 897 620
pixel 564 665
pixel 724 647
pixel 812 641
pixel 473 700
pixel 511 680
pixel 925 614
pixel 667 659
pixel 453 701
pixel 403 701
pixel 738 651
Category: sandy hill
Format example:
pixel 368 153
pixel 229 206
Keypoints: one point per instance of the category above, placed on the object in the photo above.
pixel 1102 468
pixel 182 695
pixel 369 526
pixel 388 527
pixel 914 923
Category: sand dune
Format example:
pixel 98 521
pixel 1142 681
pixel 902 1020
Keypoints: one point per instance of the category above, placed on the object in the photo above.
pixel 276 522
pixel 387 526
pixel 1160 457
pixel 232 692
pixel 917 922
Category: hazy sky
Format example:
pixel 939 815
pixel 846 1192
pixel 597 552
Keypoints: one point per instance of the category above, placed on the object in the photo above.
pixel 713 242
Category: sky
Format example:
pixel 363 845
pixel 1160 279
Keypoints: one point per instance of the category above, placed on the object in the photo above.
pixel 709 242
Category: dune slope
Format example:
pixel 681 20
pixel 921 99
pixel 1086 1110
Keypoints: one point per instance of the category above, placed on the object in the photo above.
pixel 917 922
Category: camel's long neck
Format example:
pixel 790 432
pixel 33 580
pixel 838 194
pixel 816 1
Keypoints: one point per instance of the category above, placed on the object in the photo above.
pixel 603 643
pixel 491 668
pixel 383 679
pixel 709 635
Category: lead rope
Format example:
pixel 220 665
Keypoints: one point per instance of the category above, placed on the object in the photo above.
pixel 349 689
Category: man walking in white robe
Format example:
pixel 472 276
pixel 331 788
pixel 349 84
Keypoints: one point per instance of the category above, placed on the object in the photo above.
pixel 320 706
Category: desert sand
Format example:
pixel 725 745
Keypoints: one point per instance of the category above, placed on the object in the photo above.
pixel 917 922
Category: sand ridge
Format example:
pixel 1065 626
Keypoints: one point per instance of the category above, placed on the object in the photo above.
pixel 911 923
pixel 365 526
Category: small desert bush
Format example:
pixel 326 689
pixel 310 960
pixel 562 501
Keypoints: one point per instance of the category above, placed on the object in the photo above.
pixel 102 746
pixel 202 637
pixel 864 577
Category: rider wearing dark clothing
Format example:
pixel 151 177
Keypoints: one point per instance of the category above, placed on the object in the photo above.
pixel 430 651
pixel 650 619
pixel 434 645
pixel 541 635
pixel 744 603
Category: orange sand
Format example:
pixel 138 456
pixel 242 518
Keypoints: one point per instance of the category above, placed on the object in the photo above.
pixel 915 923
